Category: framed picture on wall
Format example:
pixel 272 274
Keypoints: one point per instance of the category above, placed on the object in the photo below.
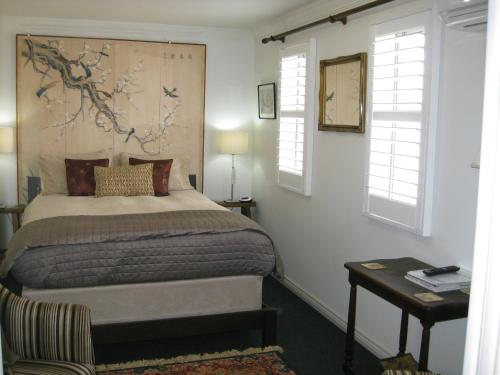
pixel 342 95
pixel 267 101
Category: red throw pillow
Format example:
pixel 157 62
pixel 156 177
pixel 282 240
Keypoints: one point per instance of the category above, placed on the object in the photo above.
pixel 161 173
pixel 80 175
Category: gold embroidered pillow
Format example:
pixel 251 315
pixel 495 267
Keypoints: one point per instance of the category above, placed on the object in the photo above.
pixel 126 181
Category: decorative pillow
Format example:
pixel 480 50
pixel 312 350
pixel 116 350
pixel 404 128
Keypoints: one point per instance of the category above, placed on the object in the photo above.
pixel 80 175
pixel 161 174
pixel 53 170
pixel 124 181
pixel 179 173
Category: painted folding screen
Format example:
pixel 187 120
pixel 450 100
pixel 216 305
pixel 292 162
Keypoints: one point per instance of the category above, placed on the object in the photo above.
pixel 77 95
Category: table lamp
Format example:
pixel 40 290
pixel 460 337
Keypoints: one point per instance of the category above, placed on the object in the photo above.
pixel 6 140
pixel 233 143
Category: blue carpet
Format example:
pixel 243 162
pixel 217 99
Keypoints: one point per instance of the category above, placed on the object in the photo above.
pixel 313 345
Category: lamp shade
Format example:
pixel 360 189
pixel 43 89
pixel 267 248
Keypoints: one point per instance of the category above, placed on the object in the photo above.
pixel 233 143
pixel 6 140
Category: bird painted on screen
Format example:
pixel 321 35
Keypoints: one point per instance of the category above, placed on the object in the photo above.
pixel 330 97
pixel 88 72
pixel 43 90
pixel 170 93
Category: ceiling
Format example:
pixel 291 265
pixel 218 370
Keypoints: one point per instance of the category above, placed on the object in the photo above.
pixel 221 13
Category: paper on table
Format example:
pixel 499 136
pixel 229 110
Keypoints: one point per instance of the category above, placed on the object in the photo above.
pixel 435 289
pixel 461 277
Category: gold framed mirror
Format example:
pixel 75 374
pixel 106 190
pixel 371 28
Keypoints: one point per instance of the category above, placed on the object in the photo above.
pixel 343 93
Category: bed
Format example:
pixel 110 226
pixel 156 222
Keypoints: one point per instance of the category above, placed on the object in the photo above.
pixel 148 267
pixel 69 242
pixel 207 270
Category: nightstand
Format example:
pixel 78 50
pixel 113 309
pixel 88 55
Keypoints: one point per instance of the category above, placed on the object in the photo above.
pixel 15 212
pixel 244 206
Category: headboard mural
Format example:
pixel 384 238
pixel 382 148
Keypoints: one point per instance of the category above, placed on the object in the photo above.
pixel 78 95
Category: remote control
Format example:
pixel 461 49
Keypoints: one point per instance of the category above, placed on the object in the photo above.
pixel 440 270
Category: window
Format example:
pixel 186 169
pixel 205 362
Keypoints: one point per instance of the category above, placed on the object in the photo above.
pixel 296 117
pixel 401 116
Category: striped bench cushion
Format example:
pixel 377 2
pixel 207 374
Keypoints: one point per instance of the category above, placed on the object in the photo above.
pixel 50 368
pixel 46 331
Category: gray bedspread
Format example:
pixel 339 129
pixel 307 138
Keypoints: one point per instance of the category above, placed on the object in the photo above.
pixel 81 251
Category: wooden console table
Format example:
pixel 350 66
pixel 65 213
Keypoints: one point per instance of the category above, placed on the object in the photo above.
pixel 389 283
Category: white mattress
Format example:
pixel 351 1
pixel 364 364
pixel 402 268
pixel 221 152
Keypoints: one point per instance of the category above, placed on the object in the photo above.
pixel 145 301
pixel 162 300
pixel 45 206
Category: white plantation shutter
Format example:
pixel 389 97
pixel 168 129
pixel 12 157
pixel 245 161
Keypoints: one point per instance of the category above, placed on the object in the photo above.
pixel 291 145
pixel 398 155
pixel 296 117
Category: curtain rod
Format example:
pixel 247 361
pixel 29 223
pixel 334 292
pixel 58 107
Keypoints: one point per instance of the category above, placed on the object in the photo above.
pixel 339 17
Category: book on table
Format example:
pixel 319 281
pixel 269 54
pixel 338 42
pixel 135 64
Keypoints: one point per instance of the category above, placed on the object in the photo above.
pixel 440 283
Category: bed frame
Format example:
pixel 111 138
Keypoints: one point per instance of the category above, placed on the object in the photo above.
pixel 264 320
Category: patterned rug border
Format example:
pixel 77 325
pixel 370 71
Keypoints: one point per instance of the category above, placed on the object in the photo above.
pixel 187 358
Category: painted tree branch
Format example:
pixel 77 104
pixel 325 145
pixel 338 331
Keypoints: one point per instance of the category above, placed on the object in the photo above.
pixel 77 75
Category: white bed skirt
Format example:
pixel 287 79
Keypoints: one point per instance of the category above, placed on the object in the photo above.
pixel 161 300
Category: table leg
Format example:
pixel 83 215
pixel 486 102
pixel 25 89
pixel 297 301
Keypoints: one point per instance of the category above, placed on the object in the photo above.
pixel 247 211
pixel 15 221
pixel 403 333
pixel 351 324
pixel 424 346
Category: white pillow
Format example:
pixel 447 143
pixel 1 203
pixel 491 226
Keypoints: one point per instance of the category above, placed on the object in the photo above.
pixel 53 170
pixel 179 174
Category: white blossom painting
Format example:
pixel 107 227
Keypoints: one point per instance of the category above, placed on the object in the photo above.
pixel 77 95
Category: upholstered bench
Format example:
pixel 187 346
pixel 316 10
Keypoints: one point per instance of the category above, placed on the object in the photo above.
pixel 45 338
pixel 51 368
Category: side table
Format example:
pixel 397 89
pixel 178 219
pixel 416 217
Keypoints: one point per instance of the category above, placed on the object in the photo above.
pixel 389 283
pixel 244 206
pixel 15 212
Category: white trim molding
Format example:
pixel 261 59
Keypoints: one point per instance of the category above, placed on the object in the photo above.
pixel 341 322
pixel 482 351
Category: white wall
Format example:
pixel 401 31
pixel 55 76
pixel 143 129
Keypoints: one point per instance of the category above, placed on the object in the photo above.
pixel 229 88
pixel 317 235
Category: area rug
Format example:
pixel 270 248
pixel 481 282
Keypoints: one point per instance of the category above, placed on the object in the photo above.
pixel 253 361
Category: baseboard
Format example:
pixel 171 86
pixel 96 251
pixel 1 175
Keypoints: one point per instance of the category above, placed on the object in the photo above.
pixel 335 318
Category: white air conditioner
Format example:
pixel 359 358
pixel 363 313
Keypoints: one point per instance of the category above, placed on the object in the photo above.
pixel 472 17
